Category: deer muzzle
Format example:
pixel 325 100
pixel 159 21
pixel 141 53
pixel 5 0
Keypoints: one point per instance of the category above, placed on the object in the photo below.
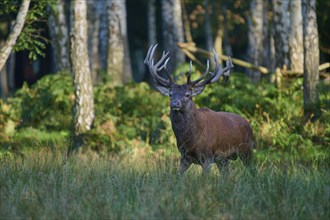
pixel 175 105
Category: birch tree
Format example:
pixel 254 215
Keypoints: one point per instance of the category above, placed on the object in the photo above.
pixel 59 33
pixel 311 61
pixel 296 37
pixel 172 30
pixel 83 113
pixel 118 60
pixel 17 29
pixel 255 37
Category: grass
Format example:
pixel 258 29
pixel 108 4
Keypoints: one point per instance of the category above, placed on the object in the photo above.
pixel 43 186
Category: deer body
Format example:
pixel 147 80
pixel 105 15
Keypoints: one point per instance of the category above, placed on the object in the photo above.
pixel 206 137
pixel 203 136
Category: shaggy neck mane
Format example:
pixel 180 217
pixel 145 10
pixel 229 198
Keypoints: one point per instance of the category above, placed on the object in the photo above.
pixel 184 125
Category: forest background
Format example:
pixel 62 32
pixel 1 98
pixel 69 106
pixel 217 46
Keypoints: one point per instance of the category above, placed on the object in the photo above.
pixel 280 83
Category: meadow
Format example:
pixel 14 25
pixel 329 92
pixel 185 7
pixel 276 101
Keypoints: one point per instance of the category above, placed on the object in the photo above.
pixel 47 186
pixel 127 168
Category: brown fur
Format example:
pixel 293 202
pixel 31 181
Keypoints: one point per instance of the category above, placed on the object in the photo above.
pixel 205 137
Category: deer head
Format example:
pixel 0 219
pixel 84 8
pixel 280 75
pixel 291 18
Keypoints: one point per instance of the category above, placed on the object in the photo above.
pixel 181 95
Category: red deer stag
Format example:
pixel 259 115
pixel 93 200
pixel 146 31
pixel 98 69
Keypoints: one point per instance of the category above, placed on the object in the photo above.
pixel 203 136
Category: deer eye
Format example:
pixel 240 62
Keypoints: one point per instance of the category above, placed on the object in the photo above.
pixel 170 95
pixel 187 95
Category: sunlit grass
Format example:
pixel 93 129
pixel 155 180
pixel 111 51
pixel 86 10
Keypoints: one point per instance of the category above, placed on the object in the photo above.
pixel 46 186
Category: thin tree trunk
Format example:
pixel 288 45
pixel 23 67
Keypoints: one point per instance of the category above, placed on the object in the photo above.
pixel 93 18
pixel 186 23
pixel 118 64
pixel 152 29
pixel 268 51
pixel 311 61
pixel 220 30
pixel 17 29
pixel 172 31
pixel 103 32
pixel 59 33
pixel 208 32
pixel 255 37
pixel 4 88
pixel 11 72
pixel 281 38
pixel 83 114
pixel 296 37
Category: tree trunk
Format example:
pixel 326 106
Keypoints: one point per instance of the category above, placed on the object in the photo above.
pixel 255 37
pixel 4 88
pixel 186 22
pixel 83 113
pixel 118 64
pixel 172 31
pixel 11 72
pixel 59 33
pixel 103 32
pixel 93 18
pixel 152 29
pixel 268 51
pixel 296 37
pixel 17 29
pixel 311 61
pixel 281 38
pixel 208 32
pixel 221 11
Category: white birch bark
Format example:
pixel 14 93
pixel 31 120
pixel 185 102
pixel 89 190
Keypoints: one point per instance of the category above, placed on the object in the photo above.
pixel 17 29
pixel 83 114
pixel 296 37
pixel 59 33
pixel 311 61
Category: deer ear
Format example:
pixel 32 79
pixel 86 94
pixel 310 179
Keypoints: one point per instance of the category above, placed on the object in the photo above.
pixel 198 89
pixel 163 90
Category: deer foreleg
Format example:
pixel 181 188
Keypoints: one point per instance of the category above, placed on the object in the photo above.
pixel 184 165
pixel 222 165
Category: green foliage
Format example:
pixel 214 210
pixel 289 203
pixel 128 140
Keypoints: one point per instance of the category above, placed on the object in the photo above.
pixel 137 117
pixel 47 105
pixel 31 37
pixel 131 113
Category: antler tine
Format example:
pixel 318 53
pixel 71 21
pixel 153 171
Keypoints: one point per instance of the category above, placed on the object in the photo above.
pixel 224 72
pixel 154 68
pixel 219 71
pixel 203 76
pixel 189 73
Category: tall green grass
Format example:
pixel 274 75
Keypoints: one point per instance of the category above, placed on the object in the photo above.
pixel 45 186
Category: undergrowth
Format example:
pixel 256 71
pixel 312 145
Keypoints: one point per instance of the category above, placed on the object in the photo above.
pixel 136 117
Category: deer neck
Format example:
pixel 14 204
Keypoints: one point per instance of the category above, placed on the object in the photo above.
pixel 184 124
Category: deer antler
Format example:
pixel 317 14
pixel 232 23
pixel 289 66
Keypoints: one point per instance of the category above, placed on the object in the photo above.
pixel 218 72
pixel 154 68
